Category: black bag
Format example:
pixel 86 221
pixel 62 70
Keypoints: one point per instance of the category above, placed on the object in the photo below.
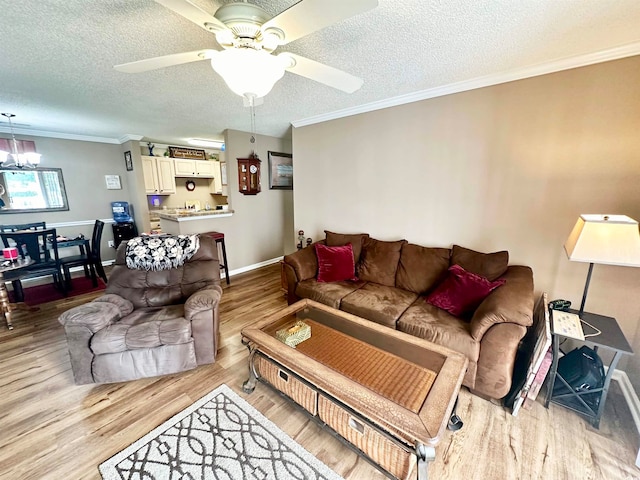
pixel 582 369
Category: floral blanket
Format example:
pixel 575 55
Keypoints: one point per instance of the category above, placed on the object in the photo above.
pixel 151 252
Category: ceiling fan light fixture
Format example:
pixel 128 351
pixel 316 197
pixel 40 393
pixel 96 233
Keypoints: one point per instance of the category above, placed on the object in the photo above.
pixel 248 72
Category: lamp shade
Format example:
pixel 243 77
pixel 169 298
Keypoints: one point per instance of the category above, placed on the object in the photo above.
pixel 248 72
pixel 605 239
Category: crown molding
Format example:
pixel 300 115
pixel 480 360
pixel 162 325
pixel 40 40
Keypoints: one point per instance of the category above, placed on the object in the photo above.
pixel 64 136
pixel 568 63
pixel 130 138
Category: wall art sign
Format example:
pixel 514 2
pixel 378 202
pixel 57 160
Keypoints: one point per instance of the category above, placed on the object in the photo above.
pixel 191 153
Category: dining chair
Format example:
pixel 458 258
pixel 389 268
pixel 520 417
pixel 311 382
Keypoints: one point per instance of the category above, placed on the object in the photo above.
pixel 42 247
pixel 89 259
pixel 21 226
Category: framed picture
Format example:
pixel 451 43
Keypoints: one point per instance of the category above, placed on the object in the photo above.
pixel 223 173
pixel 112 182
pixel 128 161
pixel 280 171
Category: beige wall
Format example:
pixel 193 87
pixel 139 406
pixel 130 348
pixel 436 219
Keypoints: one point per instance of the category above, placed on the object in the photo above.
pixel 256 231
pixel 505 167
pixel 84 165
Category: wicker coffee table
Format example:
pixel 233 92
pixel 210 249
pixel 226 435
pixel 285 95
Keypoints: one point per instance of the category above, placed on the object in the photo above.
pixel 386 393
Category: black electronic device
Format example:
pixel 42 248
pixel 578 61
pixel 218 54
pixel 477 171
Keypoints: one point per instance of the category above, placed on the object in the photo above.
pixel 582 369
pixel 560 304
pixel 123 231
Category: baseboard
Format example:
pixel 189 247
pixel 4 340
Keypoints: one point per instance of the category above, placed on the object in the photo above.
pixel 237 271
pixel 248 268
pixel 629 395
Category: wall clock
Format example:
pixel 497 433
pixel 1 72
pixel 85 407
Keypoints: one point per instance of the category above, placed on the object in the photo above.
pixel 249 176
pixel 191 185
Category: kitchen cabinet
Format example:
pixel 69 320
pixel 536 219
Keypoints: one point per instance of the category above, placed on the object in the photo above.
pixel 159 175
pixel 194 168
pixel 215 186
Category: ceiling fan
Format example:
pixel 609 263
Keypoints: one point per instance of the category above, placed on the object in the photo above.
pixel 248 37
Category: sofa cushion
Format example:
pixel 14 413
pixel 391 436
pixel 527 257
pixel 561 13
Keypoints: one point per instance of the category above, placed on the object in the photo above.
pixel 379 261
pixel 143 362
pixel 335 264
pixel 378 303
pixel 436 325
pixel 421 268
pixel 333 239
pixel 152 314
pixel 330 294
pixel 461 292
pixel 121 337
pixel 427 321
pixel 489 265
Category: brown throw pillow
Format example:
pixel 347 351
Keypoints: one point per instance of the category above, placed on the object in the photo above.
pixel 421 268
pixel 340 239
pixel 379 261
pixel 488 265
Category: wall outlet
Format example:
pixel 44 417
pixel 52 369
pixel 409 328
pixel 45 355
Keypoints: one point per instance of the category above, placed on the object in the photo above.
pixel 111 244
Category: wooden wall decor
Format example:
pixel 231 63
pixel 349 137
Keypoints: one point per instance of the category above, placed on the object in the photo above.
pixel 249 176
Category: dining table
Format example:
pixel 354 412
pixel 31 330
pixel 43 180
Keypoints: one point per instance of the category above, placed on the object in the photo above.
pixel 6 306
pixel 81 242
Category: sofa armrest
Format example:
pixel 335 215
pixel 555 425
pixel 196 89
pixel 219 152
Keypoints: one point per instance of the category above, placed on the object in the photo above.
pixel 124 305
pixel 203 300
pixel 93 316
pixel 304 262
pixel 510 303
pixel 201 309
pixel 80 324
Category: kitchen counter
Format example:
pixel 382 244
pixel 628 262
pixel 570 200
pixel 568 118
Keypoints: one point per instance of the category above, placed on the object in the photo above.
pixel 184 222
pixel 186 215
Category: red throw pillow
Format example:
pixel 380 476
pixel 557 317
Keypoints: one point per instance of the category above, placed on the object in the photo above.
pixel 335 264
pixel 461 291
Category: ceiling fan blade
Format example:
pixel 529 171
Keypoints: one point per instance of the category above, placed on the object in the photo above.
pixel 164 61
pixel 194 14
pixel 309 16
pixel 322 73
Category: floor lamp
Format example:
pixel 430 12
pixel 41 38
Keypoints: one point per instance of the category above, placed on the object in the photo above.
pixel 605 239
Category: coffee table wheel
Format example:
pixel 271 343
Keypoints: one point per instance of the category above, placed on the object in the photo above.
pixel 425 455
pixel 249 386
pixel 455 423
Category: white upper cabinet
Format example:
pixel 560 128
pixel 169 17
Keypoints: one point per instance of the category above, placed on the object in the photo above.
pixel 194 168
pixel 159 175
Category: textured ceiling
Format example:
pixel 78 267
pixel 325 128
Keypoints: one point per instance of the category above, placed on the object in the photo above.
pixel 57 60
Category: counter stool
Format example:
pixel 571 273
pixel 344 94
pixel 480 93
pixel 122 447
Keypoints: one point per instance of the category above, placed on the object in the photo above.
pixel 219 238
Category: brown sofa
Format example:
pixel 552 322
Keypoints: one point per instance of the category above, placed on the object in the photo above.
pixel 394 278
pixel 148 323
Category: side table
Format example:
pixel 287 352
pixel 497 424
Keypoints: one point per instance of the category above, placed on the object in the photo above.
pixel 610 338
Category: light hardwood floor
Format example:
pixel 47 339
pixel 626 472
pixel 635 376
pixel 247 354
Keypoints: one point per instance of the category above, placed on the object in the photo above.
pixel 53 429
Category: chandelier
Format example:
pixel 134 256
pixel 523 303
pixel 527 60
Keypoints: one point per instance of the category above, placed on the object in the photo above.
pixel 15 158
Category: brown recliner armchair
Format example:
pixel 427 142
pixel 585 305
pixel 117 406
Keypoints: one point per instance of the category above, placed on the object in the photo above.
pixel 148 323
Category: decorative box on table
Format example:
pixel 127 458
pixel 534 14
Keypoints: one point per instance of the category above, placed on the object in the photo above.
pixel 294 334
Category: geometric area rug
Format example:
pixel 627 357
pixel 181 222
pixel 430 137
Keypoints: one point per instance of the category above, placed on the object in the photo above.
pixel 221 437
